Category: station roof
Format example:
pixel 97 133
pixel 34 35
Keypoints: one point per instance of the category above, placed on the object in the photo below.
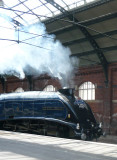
pixel 32 11
pixel 87 27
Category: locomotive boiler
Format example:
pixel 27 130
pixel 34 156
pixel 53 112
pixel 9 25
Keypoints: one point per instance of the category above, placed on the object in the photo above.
pixel 48 113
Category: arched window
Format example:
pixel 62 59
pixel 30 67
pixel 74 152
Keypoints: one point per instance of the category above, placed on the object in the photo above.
pixel 49 88
pixel 87 91
pixel 19 90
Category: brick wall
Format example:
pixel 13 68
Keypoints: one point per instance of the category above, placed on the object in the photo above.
pixel 37 83
pixel 104 106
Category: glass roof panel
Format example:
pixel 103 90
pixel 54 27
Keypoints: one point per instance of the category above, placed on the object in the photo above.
pixel 33 3
pixel 49 15
pixel 11 3
pixel 61 3
pixel 42 18
pixel 34 21
pixel 10 13
pixel 5 26
pixel 74 3
pixel 20 9
pixel 89 0
pixel 23 0
pixel 28 18
pixel 57 12
pixel 80 3
pixel 21 20
pixel 52 8
pixel 41 11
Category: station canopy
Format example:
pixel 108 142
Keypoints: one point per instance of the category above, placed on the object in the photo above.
pixel 87 27
pixel 31 11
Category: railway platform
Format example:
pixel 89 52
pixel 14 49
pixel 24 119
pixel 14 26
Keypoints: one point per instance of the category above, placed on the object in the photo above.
pixel 23 146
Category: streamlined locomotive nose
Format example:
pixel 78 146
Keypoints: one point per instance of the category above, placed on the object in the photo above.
pixel 89 128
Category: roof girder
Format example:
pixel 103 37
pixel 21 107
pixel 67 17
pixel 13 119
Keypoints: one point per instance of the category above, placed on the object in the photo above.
pixel 78 10
pixel 106 49
pixel 93 43
pixel 87 22
pixel 81 40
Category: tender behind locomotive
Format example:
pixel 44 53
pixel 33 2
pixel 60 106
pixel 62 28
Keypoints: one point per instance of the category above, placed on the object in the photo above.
pixel 48 113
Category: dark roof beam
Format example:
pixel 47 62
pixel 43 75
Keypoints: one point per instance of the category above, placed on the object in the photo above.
pixel 57 6
pixel 77 10
pixel 81 40
pixel 106 49
pixel 99 19
pixel 87 22
pixel 93 43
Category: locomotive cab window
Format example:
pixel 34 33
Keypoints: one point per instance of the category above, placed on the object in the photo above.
pixel 87 91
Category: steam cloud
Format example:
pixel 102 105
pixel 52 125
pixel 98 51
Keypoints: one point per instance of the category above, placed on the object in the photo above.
pixel 19 58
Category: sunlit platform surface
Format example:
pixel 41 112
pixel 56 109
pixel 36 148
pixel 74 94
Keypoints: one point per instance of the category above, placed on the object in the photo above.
pixel 22 146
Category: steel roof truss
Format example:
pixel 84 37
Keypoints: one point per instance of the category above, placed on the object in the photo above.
pixel 97 49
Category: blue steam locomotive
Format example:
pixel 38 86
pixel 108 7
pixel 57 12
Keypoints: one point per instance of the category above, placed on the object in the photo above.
pixel 49 113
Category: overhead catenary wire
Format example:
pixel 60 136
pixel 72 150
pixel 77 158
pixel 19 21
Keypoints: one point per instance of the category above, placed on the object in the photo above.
pixel 41 35
pixel 67 21
pixel 73 22
pixel 18 41
pixel 23 41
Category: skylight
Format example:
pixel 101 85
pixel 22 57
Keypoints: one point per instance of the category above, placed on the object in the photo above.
pixel 31 11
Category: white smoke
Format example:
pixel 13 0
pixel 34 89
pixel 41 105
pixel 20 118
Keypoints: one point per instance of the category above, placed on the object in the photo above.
pixel 18 59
